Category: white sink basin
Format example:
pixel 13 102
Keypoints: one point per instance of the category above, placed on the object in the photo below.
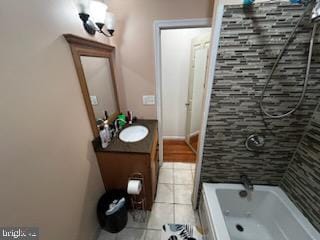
pixel 133 133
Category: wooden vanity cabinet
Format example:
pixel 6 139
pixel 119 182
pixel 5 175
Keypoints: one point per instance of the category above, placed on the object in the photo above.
pixel 117 167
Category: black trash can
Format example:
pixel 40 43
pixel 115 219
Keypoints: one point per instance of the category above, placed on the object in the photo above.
pixel 116 221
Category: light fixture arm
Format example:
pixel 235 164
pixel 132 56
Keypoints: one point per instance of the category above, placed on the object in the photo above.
pixel 87 23
pixel 108 34
pixel 91 28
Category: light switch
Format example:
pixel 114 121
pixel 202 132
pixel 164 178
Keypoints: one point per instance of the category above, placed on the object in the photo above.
pixel 94 100
pixel 148 100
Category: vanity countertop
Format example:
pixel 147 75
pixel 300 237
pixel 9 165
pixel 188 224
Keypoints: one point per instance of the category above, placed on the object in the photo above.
pixel 143 146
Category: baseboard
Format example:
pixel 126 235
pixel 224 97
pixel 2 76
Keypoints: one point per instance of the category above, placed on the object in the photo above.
pixel 173 137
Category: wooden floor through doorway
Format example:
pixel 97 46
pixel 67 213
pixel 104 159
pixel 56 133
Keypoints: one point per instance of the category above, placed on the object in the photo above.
pixel 177 151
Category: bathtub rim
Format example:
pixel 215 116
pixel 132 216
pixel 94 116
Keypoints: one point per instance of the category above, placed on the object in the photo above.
pixel 218 224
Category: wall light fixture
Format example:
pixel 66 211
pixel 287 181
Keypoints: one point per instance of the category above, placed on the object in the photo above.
pixel 94 16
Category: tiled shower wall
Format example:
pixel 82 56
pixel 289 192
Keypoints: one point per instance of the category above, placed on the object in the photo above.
pixel 302 179
pixel 250 40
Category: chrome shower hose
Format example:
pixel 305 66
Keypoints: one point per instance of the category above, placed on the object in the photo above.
pixel 306 79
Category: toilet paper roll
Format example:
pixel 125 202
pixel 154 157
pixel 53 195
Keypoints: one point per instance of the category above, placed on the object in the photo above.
pixel 134 187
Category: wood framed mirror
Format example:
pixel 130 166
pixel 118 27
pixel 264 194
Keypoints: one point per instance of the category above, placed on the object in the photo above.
pixel 94 62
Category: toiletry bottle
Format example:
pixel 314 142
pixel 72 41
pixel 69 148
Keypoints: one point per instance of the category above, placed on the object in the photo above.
pixel 106 115
pixel 248 2
pixel 112 130
pixel 122 120
pixel 106 127
pixel 296 1
pixel 103 137
pixel 130 117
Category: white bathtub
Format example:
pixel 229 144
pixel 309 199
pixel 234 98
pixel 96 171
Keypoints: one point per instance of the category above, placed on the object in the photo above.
pixel 266 214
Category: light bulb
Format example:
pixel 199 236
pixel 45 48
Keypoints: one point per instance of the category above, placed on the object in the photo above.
pixel 110 21
pixel 98 11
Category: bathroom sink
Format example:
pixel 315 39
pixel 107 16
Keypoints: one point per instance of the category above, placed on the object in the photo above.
pixel 133 133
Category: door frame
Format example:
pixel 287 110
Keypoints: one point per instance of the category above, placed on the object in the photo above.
pixel 157 27
pixel 217 17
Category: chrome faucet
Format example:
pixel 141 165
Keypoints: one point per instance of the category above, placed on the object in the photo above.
pixel 117 125
pixel 246 182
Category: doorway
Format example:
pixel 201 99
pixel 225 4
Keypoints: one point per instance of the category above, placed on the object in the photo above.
pixel 175 24
pixel 160 25
pixel 184 54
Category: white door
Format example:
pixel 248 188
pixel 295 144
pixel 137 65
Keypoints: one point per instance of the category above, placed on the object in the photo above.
pixel 198 71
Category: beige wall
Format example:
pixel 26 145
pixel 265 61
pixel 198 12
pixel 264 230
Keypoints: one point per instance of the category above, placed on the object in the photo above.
pixel 134 41
pixel 48 171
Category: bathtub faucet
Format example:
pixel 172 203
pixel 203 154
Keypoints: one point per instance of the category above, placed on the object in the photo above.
pixel 246 182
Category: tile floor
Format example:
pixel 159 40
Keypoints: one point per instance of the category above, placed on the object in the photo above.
pixel 172 205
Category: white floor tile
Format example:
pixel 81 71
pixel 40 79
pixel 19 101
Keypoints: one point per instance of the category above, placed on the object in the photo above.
pixel 164 193
pixel 182 194
pixel 153 235
pixel 131 234
pixel 134 224
pixel 184 214
pixel 104 235
pixel 182 176
pixel 166 175
pixel 178 165
pixel 161 213
pixel 167 165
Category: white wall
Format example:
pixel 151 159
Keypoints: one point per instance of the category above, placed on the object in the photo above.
pixel 49 176
pixel 175 62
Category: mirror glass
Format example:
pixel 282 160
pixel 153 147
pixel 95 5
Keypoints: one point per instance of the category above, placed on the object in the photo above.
pixel 101 87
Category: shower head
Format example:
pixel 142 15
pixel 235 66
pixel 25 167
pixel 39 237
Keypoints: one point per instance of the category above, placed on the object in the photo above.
pixel 315 14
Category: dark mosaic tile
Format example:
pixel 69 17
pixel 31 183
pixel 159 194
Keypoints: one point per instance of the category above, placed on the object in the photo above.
pixel 302 178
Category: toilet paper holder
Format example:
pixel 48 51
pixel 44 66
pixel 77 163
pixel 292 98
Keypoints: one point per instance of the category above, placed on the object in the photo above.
pixel 138 202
